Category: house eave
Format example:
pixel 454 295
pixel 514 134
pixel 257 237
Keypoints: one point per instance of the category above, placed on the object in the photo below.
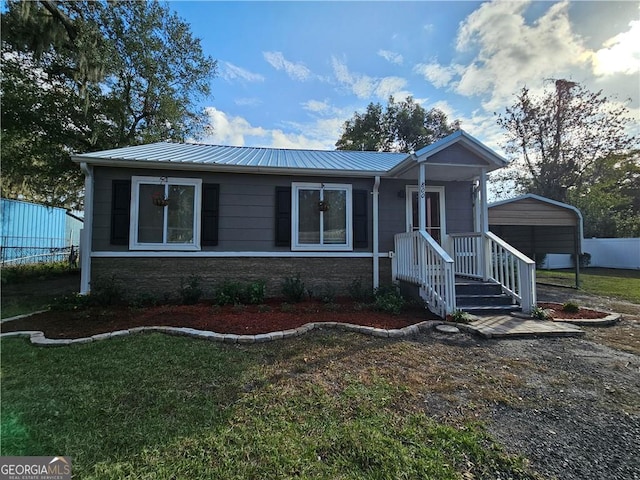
pixel 200 167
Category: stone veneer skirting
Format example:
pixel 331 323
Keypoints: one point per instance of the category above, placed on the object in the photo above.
pixel 163 275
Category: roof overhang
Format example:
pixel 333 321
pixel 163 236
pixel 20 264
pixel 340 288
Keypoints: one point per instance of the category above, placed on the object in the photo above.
pixel 200 167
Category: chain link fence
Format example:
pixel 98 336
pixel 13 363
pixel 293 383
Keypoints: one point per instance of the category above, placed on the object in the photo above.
pixel 24 251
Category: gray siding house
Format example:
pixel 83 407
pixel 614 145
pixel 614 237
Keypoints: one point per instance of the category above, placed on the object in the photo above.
pixel 157 213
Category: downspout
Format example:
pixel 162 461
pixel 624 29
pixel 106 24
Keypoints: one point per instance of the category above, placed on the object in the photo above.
pixel 376 227
pixel 86 236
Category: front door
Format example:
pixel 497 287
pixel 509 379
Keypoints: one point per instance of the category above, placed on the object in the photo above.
pixel 434 211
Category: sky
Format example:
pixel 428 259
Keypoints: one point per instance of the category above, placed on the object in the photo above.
pixel 291 73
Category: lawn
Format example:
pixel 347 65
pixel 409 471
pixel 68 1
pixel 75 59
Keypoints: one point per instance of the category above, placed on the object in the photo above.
pixel 608 282
pixel 328 405
pixel 29 288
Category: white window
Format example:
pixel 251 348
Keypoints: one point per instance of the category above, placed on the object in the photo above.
pixel 165 213
pixel 321 216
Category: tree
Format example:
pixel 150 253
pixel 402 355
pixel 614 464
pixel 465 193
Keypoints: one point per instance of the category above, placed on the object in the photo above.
pixel 610 203
pixel 401 127
pixel 558 140
pixel 86 76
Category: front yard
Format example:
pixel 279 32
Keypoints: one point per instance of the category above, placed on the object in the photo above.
pixel 329 405
pixel 333 404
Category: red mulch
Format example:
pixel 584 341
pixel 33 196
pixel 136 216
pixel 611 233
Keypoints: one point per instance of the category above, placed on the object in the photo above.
pixel 242 320
pixel 582 313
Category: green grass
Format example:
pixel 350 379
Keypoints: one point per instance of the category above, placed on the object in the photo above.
pixel 154 406
pixel 28 289
pixel 608 282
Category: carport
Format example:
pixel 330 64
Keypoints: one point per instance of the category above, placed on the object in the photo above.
pixel 537 226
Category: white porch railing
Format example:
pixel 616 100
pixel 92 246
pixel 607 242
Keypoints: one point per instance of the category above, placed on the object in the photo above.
pixel 421 261
pixel 487 256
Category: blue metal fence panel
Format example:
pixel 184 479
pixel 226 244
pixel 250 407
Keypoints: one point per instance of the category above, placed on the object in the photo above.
pixel 32 232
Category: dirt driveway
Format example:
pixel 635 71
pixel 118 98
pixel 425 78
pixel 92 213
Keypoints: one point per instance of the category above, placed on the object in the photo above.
pixel 579 417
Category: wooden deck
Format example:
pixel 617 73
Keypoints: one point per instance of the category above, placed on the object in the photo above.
pixel 501 326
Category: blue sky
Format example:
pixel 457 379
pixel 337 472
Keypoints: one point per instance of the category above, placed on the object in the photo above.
pixel 291 73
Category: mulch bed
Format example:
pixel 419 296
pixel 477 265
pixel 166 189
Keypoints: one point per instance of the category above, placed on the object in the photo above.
pixel 582 313
pixel 239 319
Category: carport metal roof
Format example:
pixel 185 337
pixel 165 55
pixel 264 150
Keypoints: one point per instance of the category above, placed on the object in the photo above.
pixel 536 224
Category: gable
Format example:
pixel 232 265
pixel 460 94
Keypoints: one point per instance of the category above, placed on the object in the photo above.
pixel 531 211
pixel 457 155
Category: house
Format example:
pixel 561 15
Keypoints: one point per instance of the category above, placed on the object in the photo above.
pixel 157 213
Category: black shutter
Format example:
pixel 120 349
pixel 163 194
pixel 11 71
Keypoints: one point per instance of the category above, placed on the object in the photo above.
pixel 283 216
pixel 210 214
pixel 120 211
pixel 360 221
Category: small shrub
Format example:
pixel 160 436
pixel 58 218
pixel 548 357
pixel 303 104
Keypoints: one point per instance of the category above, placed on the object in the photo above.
pixel 144 299
pixel 460 316
pixel 540 313
pixel 255 292
pixel 106 291
pixel 293 289
pixel 327 294
pixel 358 292
pixel 570 307
pixel 229 293
pixel 388 299
pixel 190 290
pixel 74 301
pixel 264 308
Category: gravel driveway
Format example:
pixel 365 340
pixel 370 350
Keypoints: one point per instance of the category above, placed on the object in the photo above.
pixel 580 414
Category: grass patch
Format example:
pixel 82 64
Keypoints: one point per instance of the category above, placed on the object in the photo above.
pixel 31 294
pixel 154 406
pixel 608 282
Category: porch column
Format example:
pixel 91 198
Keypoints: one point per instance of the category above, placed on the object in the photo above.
pixel 86 234
pixel 484 224
pixel 485 253
pixel 422 197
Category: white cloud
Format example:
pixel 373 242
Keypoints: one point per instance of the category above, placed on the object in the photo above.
pixel 226 130
pixel 315 106
pixel 248 102
pixel 438 75
pixel 321 134
pixel 390 56
pixel 231 72
pixel 620 54
pixel 297 71
pixel 508 53
pixel 364 86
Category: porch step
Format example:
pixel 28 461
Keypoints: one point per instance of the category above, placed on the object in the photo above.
pixel 479 297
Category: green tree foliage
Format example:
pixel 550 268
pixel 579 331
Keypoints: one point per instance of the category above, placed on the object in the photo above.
pixel 86 76
pixel 610 203
pixel 401 127
pixel 571 145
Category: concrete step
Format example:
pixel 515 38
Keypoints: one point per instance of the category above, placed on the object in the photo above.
pixel 500 299
pixel 478 288
pixel 489 309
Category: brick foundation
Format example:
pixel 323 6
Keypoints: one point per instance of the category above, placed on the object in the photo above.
pixel 160 276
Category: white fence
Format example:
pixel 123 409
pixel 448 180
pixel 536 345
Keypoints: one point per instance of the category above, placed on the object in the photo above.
pixel 621 253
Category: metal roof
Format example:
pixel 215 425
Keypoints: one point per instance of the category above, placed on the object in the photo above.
pixel 264 159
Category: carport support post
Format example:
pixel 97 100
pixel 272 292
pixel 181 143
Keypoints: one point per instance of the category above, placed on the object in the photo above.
pixel 576 239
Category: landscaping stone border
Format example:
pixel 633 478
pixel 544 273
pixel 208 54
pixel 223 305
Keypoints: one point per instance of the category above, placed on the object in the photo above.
pixel 38 337
pixel 610 319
